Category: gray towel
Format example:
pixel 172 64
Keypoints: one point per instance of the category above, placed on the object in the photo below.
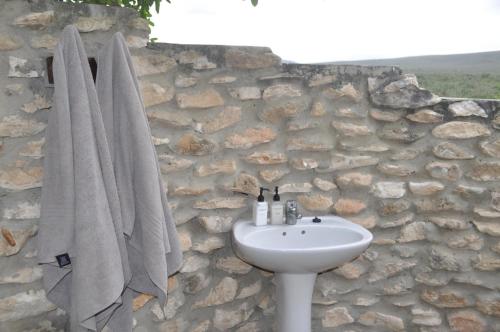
pixel 152 241
pixel 80 208
pixel 103 201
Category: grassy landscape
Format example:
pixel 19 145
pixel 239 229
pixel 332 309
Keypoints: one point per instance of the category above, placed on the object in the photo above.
pixel 485 86
pixel 475 75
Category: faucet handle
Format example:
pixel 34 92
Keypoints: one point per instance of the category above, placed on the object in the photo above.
pixel 291 212
pixel 291 205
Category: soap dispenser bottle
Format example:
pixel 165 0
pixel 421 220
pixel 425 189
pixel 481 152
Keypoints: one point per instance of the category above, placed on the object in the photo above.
pixel 260 208
pixel 276 209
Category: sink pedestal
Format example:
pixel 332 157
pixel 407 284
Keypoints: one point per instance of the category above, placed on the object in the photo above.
pixel 294 300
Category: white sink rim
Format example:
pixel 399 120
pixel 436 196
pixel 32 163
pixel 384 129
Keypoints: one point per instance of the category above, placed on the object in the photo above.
pixel 250 252
pixel 302 226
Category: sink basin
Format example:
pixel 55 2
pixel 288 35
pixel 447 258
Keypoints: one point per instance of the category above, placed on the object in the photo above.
pixel 301 248
pixel 297 253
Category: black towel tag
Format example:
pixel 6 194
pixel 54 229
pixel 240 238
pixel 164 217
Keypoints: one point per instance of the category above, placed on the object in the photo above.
pixel 63 260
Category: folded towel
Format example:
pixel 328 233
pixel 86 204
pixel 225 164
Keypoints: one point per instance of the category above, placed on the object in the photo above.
pixel 80 221
pixel 152 241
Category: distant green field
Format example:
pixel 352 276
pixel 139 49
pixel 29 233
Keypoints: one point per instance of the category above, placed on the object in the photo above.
pixel 474 75
pixel 485 86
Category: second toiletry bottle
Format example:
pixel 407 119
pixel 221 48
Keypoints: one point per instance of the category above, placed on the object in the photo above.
pixel 276 209
pixel 260 208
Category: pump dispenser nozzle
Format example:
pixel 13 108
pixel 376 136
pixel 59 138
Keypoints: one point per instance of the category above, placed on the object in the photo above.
pixel 260 198
pixel 276 196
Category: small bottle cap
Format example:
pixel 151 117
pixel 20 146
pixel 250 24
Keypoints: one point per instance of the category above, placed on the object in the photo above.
pixel 276 196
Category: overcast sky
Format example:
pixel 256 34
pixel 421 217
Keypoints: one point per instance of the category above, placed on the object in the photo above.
pixel 309 31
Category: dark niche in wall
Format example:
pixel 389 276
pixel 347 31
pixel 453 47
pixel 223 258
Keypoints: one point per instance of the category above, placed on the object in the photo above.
pixel 50 74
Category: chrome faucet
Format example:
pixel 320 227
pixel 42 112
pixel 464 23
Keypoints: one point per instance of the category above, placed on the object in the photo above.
pixel 292 212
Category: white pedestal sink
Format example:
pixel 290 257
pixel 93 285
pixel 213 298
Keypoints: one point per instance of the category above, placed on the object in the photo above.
pixel 297 253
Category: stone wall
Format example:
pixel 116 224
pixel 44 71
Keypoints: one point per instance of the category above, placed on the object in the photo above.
pixel 421 172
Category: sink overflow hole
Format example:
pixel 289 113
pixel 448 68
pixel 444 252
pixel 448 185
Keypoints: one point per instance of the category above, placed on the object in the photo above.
pixel 284 233
pixel 303 232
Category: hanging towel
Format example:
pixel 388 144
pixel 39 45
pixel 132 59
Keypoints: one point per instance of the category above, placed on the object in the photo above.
pixel 81 246
pixel 152 240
